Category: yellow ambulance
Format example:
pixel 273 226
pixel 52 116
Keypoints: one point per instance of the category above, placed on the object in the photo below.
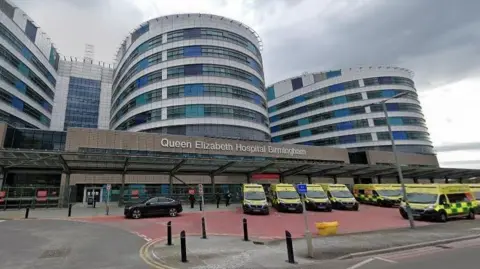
pixel 286 198
pixel 378 194
pixel 254 199
pixel 317 199
pixel 475 188
pixel 439 202
pixel 340 196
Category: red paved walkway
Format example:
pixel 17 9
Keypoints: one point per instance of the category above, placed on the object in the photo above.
pixel 273 226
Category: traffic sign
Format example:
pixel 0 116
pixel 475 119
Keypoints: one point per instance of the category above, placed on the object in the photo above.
pixel 302 188
pixel 109 187
pixel 200 189
pixel 191 191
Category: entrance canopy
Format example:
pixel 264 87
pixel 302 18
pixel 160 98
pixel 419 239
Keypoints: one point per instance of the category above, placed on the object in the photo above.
pixel 120 163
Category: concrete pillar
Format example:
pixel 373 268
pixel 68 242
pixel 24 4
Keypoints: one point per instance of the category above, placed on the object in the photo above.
pixel 335 180
pixel 379 179
pixel 282 179
pixel 212 180
pixel 3 177
pixel 398 179
pixel 309 177
pixel 460 180
pixel 446 180
pixel 432 180
pixel 170 184
pixel 64 195
pixel 122 191
pixel 249 178
pixel 415 180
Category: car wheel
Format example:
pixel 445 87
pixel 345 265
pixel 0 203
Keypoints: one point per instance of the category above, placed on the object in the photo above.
pixel 136 213
pixel 172 212
pixel 443 217
pixel 471 215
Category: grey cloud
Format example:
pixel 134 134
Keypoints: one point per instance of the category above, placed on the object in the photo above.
pixel 382 32
pixel 458 147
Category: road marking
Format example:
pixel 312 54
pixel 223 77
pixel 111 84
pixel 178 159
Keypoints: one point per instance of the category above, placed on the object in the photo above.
pixel 1 220
pixel 369 260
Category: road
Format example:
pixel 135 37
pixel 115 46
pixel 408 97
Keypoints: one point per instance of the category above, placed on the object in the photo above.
pixel 456 255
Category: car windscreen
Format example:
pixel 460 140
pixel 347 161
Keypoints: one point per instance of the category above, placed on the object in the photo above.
pixel 421 198
pixel 316 194
pixel 389 192
pixel 257 195
pixel 287 194
pixel 341 194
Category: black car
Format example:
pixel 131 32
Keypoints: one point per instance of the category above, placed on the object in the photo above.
pixel 155 206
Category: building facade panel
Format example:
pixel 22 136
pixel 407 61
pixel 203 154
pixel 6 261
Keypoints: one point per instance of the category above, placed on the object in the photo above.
pixel 340 108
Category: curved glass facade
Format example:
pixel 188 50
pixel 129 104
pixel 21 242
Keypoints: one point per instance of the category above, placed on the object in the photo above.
pixel 345 111
pixel 175 75
pixel 28 64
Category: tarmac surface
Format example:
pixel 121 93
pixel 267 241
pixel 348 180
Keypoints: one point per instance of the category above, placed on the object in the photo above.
pixel 52 244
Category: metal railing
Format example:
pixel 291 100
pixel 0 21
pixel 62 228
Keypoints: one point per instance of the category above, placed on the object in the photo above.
pixel 23 197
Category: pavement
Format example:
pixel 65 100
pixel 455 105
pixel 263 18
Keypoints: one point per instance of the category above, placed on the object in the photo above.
pixel 217 252
pixel 59 244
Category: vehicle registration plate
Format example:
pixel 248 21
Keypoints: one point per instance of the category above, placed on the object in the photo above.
pixel 256 210
pixel 291 208
pixel 320 206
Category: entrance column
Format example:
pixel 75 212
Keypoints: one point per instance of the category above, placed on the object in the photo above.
pixel 379 179
pixel 282 179
pixel 170 184
pixel 64 195
pixel 122 191
pixel 446 180
pixel 335 180
pixel 432 180
pixel 309 177
pixel 249 178
pixel 212 181
pixel 398 179
pixel 460 180
pixel 415 180
pixel 3 176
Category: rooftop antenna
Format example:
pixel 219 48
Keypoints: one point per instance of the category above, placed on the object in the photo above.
pixel 89 53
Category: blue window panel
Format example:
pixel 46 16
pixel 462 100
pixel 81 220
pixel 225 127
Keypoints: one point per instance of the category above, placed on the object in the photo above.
pixel 194 111
pixel 17 103
pixel 400 135
pixel 46 106
pixel 165 189
pixel 142 48
pixel 275 129
pixel 141 100
pixel 347 139
pixel 23 69
pixel 258 100
pixel 344 125
pixel 304 133
pixel 277 139
pixel 20 85
pixel 256 82
pixel 192 33
pixel 301 110
pixel 192 51
pixel 395 121
pixel 142 64
pixel 308 143
pixel 297 83
pixel 26 53
pixel 141 82
pixel 332 74
pixel 31 31
pixel 385 80
pixel 272 109
pixel 270 93
pixel 53 59
pixel 44 120
pixel 253 64
pixel 299 99
pixel 194 90
pixel 144 29
pixel 388 93
pixel 393 107
pixel 273 118
pixel 339 100
pixel 303 121
pixel 193 69
pixel 336 88
pixel 341 113
pixel 141 118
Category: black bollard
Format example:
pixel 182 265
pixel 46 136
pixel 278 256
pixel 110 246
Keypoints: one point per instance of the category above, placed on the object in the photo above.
pixel 169 233
pixel 200 204
pixel 70 210
pixel 245 230
pixel 288 238
pixel 94 202
pixel 183 246
pixel 27 211
pixel 204 231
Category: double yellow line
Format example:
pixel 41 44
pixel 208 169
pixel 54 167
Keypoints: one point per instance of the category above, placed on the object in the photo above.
pixel 146 255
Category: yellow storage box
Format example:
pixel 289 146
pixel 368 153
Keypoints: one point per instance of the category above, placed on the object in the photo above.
pixel 327 228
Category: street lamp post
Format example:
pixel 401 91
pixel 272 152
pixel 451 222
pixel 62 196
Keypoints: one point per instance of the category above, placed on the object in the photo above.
pixel 397 163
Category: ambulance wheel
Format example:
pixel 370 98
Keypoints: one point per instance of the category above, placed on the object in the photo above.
pixel 471 214
pixel 329 209
pixel 356 208
pixel 443 217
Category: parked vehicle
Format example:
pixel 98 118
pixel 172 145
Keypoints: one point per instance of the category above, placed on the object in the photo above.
pixel 254 199
pixel 388 195
pixel 156 206
pixel 285 198
pixel 317 199
pixel 340 196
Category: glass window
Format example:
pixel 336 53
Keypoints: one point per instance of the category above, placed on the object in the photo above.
pixel 83 103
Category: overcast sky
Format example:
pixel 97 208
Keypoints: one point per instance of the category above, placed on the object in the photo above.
pixel 438 39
